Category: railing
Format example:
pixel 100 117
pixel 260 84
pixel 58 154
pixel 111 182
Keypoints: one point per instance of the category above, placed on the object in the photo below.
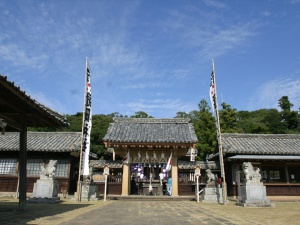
pixel 110 179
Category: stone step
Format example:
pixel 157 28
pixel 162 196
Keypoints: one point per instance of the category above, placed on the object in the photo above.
pixel 151 198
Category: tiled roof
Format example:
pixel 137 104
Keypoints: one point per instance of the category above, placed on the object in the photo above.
pixel 42 141
pixel 101 163
pixel 14 101
pixel 203 165
pixel 181 164
pixel 149 130
pixel 261 144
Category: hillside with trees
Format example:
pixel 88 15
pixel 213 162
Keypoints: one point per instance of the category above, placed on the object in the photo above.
pixel 262 121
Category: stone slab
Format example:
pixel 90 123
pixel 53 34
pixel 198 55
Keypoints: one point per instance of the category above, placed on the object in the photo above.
pixel 254 191
pixel 88 193
pixel 212 195
pixel 254 195
pixel 45 188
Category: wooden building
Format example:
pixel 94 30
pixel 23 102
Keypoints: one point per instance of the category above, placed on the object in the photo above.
pixel 41 147
pixel 276 155
pixel 150 143
pixel 17 112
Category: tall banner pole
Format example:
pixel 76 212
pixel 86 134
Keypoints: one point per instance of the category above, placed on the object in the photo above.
pixel 82 134
pixel 219 136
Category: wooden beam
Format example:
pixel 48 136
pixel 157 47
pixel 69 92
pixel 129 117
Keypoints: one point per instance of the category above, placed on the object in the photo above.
pixel 12 123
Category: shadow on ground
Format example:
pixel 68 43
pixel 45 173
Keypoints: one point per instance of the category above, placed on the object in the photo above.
pixel 10 214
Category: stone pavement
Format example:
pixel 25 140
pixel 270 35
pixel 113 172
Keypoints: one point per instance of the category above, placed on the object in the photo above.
pixel 154 213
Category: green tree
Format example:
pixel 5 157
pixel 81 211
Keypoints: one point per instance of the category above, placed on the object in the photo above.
pixel 182 115
pixel 75 122
pixel 262 121
pixel 141 114
pixel 100 124
pixel 289 117
pixel 205 129
pixel 250 122
pixel 228 119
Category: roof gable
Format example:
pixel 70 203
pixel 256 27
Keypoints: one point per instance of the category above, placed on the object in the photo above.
pixel 150 130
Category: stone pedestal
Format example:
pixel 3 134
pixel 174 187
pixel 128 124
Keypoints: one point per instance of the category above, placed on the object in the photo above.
pixel 45 191
pixel 89 192
pixel 253 194
pixel 212 195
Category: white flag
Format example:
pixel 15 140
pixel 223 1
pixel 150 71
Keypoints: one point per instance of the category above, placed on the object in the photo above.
pixel 126 159
pixel 169 164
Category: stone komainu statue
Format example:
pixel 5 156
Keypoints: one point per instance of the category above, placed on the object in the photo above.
pixel 251 174
pixel 209 177
pixel 48 172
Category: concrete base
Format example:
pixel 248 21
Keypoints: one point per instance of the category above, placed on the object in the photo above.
pixel 212 195
pixel 254 195
pixel 266 203
pixel 44 200
pixel 88 193
pixel 45 188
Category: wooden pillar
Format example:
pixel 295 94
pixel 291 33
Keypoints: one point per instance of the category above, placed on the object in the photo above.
pixel 125 179
pixel 286 173
pixel 175 174
pixel 22 165
pixel 238 182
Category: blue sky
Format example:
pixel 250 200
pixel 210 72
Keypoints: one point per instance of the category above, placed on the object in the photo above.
pixel 153 56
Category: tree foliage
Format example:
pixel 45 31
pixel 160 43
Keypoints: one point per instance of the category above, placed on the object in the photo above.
pixel 141 114
pixel 289 117
pixel 182 115
pixel 100 125
pixel 228 119
pixel 262 121
pixel 205 128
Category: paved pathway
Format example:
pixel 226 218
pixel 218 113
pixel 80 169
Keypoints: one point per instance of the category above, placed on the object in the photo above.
pixel 151 213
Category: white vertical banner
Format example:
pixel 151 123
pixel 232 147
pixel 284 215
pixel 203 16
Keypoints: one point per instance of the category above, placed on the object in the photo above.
pixel 169 164
pixel 87 122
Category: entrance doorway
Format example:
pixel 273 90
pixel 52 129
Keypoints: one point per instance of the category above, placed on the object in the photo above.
pixel 146 179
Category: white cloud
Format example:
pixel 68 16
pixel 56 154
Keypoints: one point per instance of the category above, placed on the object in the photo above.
pixel 17 56
pixel 223 40
pixel 49 102
pixel 268 94
pixel 266 13
pixel 205 35
pixel 214 3
pixel 146 85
